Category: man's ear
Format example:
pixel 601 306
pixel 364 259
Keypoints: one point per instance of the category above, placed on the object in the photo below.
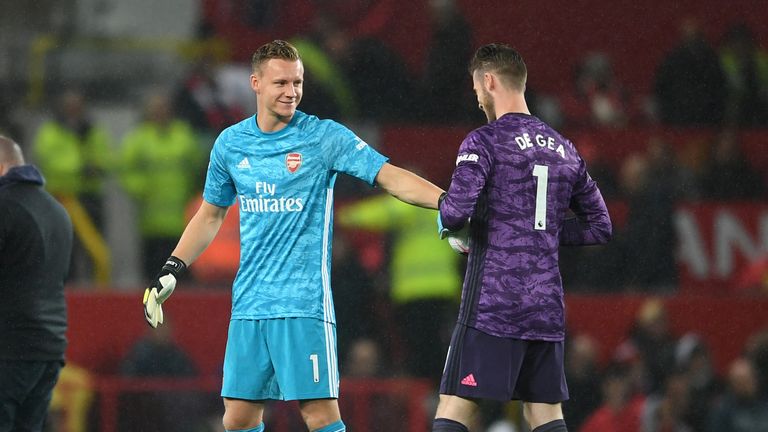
pixel 489 81
pixel 255 83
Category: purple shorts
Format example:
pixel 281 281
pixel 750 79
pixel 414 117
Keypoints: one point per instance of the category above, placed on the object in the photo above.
pixel 481 366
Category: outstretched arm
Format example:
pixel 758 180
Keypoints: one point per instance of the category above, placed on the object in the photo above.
pixel 198 234
pixel 200 231
pixel 408 187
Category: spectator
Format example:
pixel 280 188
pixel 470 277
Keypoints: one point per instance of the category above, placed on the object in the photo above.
pixel 647 239
pixel 756 351
pixel 445 82
pixel 667 178
pixel 601 170
pixel 598 99
pixel 746 75
pixel 200 99
pixel 156 355
pixel 35 245
pixel 619 411
pixel 9 126
pixel 692 357
pixel 354 306
pixel 582 375
pixel 71 399
pixel 364 360
pixel 376 74
pixel 655 342
pixel 333 96
pixel 594 269
pixel 728 175
pixel 217 266
pixel 651 234
pixel 73 154
pixel 160 150
pixel 690 86
pixel 425 278
pixel 364 364
pixel 742 409
pixel 668 411
pixel 629 356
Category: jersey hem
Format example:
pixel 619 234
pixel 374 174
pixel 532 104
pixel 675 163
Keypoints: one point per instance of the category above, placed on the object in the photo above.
pixel 279 315
pixel 524 336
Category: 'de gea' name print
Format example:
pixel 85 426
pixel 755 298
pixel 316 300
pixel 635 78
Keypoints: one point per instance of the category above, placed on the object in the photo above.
pixel 266 200
pixel 524 141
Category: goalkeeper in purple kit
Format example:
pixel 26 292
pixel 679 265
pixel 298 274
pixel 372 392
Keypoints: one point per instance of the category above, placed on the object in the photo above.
pixel 519 190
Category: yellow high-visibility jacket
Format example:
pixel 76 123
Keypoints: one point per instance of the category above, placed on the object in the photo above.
pixel 71 164
pixel 161 169
pixel 423 266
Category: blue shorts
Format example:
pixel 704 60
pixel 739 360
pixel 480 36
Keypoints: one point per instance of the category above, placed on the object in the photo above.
pixel 281 359
pixel 481 366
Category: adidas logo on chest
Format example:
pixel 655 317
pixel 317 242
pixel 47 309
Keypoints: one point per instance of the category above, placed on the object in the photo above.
pixel 244 164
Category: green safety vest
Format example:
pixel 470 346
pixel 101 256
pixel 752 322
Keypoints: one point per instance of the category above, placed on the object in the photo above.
pixel 423 267
pixel 69 163
pixel 161 170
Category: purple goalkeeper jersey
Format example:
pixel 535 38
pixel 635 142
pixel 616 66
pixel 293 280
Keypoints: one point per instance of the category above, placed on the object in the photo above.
pixel 527 191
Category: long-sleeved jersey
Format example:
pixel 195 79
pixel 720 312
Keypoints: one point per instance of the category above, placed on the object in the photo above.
pixel 525 190
pixel 283 182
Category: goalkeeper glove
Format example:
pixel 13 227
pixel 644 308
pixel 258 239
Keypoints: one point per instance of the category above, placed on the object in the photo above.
pixel 160 289
pixel 458 240
pixel 441 231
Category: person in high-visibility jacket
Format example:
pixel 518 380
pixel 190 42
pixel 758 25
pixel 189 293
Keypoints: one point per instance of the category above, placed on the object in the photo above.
pixel 73 153
pixel 161 162
pixel 425 277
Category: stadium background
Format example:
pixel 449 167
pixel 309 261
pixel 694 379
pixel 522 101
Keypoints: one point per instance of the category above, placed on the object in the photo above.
pixel 117 53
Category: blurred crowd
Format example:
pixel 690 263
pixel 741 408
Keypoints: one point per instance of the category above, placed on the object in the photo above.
pixel 660 381
pixel 655 381
pixel 719 88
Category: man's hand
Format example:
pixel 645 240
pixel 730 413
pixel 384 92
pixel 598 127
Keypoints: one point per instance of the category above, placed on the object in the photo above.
pixel 160 289
pixel 459 240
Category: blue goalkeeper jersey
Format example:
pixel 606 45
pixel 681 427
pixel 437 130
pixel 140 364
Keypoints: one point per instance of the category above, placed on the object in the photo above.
pixel 283 183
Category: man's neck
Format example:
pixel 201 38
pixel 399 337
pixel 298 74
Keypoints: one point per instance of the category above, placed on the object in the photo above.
pixel 513 104
pixel 270 123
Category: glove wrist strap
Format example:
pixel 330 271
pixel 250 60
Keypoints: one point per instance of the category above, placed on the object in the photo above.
pixel 175 265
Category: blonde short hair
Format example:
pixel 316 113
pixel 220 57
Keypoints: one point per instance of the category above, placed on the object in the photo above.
pixel 277 49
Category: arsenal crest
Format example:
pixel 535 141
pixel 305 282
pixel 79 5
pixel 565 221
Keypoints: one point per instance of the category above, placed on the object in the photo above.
pixel 293 162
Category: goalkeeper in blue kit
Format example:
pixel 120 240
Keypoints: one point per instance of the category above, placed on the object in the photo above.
pixel 280 165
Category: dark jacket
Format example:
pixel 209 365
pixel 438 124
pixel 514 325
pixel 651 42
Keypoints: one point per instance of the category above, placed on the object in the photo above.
pixel 35 248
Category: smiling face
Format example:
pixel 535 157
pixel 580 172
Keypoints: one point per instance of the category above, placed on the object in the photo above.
pixel 278 85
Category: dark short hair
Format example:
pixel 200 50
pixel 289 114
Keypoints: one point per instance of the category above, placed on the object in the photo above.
pixel 277 49
pixel 502 60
